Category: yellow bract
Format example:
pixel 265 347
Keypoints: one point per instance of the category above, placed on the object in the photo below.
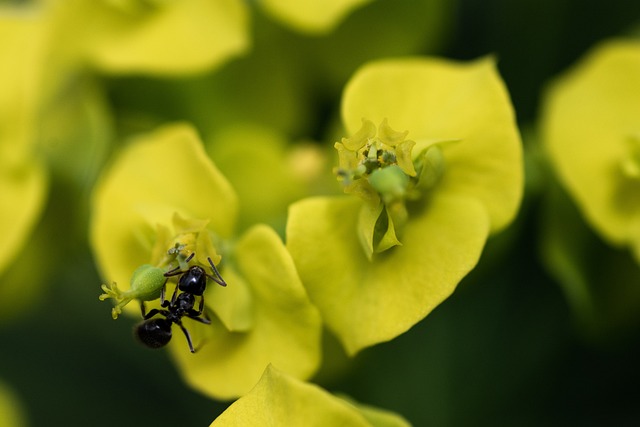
pixel 23 180
pixel 165 37
pixel 279 400
pixel 367 302
pixel 590 125
pixel 311 16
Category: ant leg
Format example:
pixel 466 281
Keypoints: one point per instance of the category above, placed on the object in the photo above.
pixel 163 292
pixel 201 306
pixel 175 295
pixel 204 320
pixel 143 309
pixel 218 279
pixel 152 313
pixel 201 314
pixel 187 336
pixel 173 272
pixel 176 271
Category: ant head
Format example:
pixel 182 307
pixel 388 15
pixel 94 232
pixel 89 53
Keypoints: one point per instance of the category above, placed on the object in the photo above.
pixel 194 281
pixel 154 333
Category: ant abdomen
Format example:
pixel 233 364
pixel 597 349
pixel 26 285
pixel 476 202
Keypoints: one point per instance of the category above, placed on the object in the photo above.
pixel 154 333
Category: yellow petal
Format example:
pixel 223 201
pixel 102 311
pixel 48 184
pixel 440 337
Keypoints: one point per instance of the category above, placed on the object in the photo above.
pixel 174 37
pixel 366 302
pixel 233 304
pixel 22 56
pixel 278 400
pixel 376 416
pixel 23 193
pixel 22 176
pixel 311 16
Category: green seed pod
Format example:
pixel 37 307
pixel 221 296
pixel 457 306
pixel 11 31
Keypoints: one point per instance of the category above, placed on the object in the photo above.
pixel 146 285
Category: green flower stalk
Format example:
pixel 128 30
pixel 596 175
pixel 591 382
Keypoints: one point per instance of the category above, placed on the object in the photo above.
pixel 591 132
pixel 163 200
pixel 377 263
pixel 286 401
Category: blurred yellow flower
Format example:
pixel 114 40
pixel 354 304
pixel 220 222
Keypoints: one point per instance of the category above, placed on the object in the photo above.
pixel 149 36
pixel 163 197
pixel 23 180
pixel 265 170
pixel 591 132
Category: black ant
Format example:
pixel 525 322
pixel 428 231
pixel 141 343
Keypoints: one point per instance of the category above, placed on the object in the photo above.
pixel 156 332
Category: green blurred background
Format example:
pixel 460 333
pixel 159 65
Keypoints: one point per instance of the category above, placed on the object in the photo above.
pixel 505 349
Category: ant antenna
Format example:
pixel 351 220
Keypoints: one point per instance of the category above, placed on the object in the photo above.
pixel 219 280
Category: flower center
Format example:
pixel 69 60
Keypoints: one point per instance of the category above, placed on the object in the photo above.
pixel 378 165
pixel 185 237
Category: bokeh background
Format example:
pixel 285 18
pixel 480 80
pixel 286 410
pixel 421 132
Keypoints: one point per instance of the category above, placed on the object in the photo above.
pixel 508 348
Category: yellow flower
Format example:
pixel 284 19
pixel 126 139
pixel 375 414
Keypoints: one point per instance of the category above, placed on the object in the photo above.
pixel 377 264
pixel 162 200
pixel 591 131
